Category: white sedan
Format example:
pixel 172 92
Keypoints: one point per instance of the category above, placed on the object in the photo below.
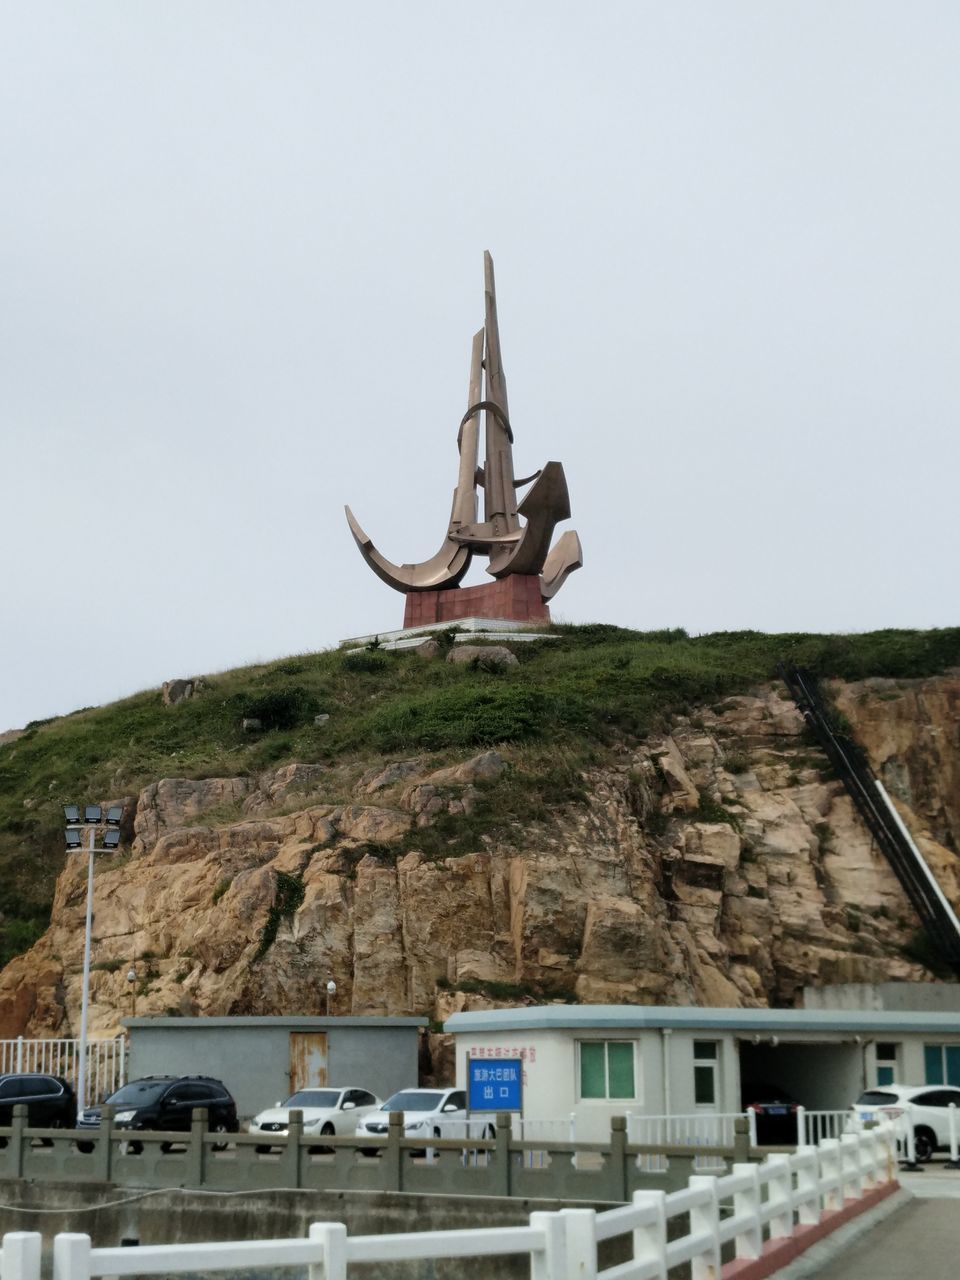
pixel 435 1113
pixel 325 1111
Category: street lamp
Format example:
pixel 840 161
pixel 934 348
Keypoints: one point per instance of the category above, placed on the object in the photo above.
pixel 132 979
pixel 331 992
pixel 75 825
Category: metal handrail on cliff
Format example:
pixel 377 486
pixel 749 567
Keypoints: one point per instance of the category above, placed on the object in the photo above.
pixel 938 918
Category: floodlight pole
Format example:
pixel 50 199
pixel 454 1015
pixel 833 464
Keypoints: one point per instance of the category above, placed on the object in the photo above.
pixel 85 1001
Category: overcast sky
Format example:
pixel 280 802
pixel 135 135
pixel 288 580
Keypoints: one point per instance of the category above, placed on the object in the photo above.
pixel 241 264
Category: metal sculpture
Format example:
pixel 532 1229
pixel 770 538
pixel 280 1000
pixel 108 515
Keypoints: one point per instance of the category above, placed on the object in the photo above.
pixel 515 536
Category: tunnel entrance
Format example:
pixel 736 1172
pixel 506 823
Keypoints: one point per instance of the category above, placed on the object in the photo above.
pixel 816 1075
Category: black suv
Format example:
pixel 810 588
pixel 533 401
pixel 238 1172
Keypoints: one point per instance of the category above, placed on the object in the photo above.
pixel 50 1101
pixel 166 1103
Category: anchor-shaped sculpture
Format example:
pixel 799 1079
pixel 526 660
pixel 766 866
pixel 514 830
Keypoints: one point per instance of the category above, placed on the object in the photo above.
pixel 514 547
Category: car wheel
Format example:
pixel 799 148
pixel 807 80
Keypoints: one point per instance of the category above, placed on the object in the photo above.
pixel 85 1147
pixel 327 1131
pixel 131 1147
pixel 261 1150
pixel 924 1144
pixel 219 1128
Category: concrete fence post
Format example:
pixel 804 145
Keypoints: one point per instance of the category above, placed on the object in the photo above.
pixel 580 1243
pixel 705 1218
pixel 20 1256
pixel 71 1256
pixel 549 1263
pixel 780 1194
pixel 393 1155
pixel 954 1131
pixel 831 1188
pixel 752 1123
pixel 868 1159
pixel 852 1187
pixel 290 1152
pixel 333 1240
pixel 650 1239
pixel 618 1156
pixel 102 1157
pixel 741 1140
pixel 808 1187
pixel 502 1172
pixel 748 1242
pixel 196 1152
pixel 18 1122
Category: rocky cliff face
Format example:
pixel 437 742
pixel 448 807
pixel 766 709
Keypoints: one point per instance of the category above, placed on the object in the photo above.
pixel 719 865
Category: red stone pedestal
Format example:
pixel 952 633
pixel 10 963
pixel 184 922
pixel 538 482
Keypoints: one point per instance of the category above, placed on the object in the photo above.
pixel 516 597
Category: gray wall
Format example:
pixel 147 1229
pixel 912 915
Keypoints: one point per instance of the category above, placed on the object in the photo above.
pixel 188 1217
pixel 252 1055
pixel 895 997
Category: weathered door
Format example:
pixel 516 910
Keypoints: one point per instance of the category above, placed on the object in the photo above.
pixel 308 1059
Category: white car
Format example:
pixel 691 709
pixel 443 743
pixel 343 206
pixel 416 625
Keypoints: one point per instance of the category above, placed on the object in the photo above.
pixel 928 1105
pixel 325 1111
pixel 429 1112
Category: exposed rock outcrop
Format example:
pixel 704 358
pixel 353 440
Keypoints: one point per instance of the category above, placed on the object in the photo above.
pixel 719 865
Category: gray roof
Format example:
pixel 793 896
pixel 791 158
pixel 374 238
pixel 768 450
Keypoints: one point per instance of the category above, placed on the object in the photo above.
pixel 270 1020
pixel 628 1017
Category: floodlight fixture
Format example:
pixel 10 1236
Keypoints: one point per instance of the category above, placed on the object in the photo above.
pixel 73 838
pixel 92 813
pixel 71 812
pixel 114 814
pixel 111 839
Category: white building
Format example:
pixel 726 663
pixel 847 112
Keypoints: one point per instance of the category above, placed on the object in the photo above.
pixel 598 1061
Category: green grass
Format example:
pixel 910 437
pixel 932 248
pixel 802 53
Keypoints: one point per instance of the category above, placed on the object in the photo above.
pixel 577 694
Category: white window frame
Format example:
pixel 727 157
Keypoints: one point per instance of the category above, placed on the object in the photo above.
pixel 606 1099
pixel 891 1063
pixel 714 1064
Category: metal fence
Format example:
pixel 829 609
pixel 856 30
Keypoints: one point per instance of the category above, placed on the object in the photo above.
pixel 106 1061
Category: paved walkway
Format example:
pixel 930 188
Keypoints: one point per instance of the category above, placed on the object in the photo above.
pixel 921 1240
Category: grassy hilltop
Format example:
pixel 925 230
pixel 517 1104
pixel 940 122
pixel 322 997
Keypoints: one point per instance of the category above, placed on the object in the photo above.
pixel 568 702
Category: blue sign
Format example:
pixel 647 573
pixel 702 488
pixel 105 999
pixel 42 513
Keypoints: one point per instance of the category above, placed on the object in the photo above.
pixel 494 1084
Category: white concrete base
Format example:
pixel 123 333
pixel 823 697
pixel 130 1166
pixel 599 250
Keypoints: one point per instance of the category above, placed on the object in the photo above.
pixel 469 629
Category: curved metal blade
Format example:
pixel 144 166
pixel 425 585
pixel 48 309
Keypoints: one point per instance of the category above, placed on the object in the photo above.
pixel 443 570
pixel 545 505
pixel 563 559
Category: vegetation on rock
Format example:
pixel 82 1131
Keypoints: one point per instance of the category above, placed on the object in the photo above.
pixel 577 693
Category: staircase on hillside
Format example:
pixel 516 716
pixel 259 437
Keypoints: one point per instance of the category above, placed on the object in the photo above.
pixel 877 810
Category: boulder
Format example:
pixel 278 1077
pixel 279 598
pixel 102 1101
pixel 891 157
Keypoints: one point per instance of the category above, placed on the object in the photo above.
pixel 492 655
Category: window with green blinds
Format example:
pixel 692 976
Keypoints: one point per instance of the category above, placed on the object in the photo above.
pixel 593 1070
pixel 941 1063
pixel 620 1070
pixel 606 1069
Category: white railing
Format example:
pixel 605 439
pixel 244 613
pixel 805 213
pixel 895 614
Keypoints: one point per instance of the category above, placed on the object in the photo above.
pixel 106 1061
pixel 730 1218
pixel 698 1129
pixel 814 1126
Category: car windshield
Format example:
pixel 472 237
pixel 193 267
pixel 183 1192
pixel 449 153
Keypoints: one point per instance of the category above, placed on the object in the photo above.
pixel 313 1098
pixel 876 1098
pixel 413 1100
pixel 139 1093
